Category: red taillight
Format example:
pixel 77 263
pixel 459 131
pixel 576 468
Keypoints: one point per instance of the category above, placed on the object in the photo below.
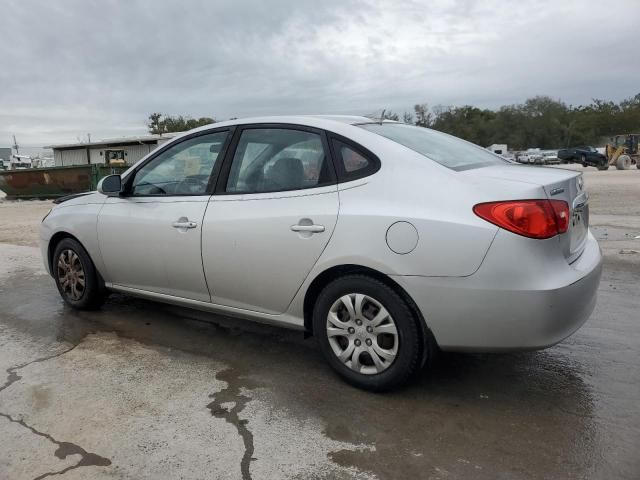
pixel 530 218
pixel 561 209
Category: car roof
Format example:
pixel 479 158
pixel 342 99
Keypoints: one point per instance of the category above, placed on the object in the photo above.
pixel 329 122
pixel 302 119
pixel 341 124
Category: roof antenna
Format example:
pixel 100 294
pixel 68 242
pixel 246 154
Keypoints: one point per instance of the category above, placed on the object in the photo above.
pixel 382 115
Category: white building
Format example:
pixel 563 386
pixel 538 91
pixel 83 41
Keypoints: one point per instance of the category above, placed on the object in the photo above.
pixel 127 150
pixel 498 148
pixel 5 154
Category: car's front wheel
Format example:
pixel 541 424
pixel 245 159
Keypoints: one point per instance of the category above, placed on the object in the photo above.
pixel 367 332
pixel 75 276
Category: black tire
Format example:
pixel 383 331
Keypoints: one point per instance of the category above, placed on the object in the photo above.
pixel 583 161
pixel 623 162
pixel 603 166
pixel 93 294
pixel 410 345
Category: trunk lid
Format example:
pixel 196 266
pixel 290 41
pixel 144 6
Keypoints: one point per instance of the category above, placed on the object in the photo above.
pixel 558 184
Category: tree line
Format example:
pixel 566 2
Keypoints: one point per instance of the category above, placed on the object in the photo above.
pixel 158 123
pixel 538 122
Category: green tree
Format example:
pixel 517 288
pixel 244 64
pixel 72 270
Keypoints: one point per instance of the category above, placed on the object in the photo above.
pixel 154 124
pixel 159 123
pixel 538 122
pixel 389 115
pixel 423 117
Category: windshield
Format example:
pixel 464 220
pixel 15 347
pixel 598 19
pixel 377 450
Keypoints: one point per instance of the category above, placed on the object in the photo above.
pixel 445 149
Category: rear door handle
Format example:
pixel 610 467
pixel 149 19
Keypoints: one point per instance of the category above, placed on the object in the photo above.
pixel 308 228
pixel 185 224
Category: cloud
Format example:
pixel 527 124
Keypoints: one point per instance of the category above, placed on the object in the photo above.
pixel 73 67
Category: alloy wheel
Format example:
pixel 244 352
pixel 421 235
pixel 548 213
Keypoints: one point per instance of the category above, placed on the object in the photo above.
pixel 362 333
pixel 71 274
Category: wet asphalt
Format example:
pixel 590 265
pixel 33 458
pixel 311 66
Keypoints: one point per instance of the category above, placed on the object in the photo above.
pixel 276 410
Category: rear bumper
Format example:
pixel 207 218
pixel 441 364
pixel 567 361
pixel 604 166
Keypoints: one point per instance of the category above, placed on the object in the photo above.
pixel 509 307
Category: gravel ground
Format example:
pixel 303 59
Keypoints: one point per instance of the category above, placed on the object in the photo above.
pixel 20 220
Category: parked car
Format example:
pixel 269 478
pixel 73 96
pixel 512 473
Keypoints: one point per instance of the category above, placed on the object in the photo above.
pixel 550 157
pixel 587 156
pixel 385 241
pixel 531 156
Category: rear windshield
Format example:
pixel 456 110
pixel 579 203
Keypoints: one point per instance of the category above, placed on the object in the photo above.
pixel 447 150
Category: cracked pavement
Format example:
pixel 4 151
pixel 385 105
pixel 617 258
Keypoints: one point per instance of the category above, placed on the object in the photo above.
pixel 141 390
pixel 64 448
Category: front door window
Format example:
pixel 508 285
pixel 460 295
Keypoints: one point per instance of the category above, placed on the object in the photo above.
pixel 183 169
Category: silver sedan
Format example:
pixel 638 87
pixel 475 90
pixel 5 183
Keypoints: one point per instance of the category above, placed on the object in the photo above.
pixel 385 241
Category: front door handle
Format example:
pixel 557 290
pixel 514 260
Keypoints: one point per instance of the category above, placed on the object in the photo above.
pixel 308 228
pixel 184 224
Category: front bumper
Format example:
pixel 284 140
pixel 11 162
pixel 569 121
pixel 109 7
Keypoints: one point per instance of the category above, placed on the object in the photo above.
pixel 500 308
pixel 44 248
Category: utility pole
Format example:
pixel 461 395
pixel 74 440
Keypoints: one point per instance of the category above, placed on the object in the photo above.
pixel 88 149
pixel 15 145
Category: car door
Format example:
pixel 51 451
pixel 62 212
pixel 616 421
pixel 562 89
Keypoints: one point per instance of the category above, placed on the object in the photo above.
pixel 275 208
pixel 150 238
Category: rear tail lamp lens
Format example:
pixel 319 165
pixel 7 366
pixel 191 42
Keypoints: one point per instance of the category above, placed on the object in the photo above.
pixel 529 218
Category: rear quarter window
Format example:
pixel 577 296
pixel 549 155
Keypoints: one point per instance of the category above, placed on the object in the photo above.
pixel 353 161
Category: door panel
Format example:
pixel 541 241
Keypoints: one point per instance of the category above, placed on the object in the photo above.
pixel 252 257
pixel 151 238
pixel 143 249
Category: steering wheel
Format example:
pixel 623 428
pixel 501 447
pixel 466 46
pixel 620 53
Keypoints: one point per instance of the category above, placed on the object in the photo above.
pixel 194 185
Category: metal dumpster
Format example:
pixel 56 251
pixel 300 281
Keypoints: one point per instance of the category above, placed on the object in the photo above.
pixel 53 182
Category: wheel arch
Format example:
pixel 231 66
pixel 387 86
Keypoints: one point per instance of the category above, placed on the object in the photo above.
pixel 55 239
pixel 428 341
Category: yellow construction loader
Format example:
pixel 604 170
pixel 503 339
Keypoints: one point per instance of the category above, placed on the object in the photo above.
pixel 622 151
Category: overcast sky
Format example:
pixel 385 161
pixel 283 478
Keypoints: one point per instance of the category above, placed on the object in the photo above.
pixel 70 67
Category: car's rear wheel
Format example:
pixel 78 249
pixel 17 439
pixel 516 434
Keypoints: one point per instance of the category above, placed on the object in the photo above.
pixel 367 332
pixel 75 276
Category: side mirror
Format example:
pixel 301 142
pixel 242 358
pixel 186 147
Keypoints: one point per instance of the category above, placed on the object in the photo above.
pixel 111 185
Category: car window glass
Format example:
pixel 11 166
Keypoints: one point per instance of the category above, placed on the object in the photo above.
pixel 444 149
pixel 183 169
pixel 271 159
pixel 351 160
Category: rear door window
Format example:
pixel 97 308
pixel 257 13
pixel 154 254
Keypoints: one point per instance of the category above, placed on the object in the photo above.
pixel 278 159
